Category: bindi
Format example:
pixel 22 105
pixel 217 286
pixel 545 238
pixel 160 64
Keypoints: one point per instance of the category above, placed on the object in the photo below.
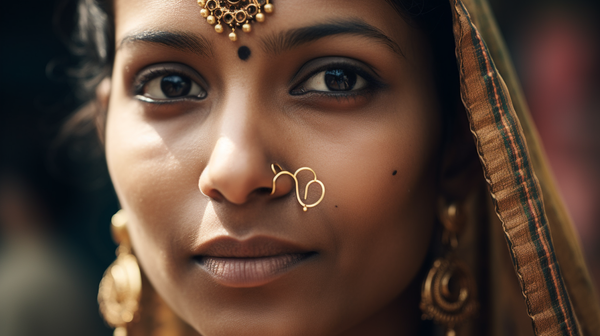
pixel 244 53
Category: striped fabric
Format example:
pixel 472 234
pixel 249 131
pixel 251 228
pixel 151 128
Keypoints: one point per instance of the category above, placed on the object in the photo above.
pixel 512 182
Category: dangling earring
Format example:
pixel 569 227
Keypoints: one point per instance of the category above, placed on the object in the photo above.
pixel 449 294
pixel 121 286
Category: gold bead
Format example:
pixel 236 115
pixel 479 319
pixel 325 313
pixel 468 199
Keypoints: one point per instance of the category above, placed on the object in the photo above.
pixel 204 12
pixel 201 3
pixel 269 8
pixel 120 331
pixel 211 20
pixel 260 17
pixel 219 28
pixel 247 28
pixel 127 316
pixel 232 36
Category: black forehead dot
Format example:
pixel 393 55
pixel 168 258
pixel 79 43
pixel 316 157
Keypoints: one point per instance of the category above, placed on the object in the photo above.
pixel 244 52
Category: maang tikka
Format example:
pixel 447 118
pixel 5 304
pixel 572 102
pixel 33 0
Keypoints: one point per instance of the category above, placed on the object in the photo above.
pixel 234 13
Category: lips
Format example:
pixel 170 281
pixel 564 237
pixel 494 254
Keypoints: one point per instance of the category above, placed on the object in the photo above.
pixel 249 263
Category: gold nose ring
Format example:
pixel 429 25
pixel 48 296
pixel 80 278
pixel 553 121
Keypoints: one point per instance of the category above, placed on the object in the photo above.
pixel 275 167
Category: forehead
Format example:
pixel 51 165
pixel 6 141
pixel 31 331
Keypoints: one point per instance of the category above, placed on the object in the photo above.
pixel 133 16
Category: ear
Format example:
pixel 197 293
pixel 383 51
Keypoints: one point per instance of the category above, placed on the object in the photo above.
pixel 102 98
pixel 460 168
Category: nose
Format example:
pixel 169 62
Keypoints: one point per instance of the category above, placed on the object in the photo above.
pixel 239 169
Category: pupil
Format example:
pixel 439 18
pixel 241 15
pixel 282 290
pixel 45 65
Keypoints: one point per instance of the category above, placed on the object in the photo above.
pixel 175 86
pixel 340 80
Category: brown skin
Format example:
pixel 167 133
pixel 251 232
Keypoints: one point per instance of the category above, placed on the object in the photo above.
pixel 372 230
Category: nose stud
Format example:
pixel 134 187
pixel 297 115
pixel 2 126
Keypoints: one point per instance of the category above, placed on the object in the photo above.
pixel 278 171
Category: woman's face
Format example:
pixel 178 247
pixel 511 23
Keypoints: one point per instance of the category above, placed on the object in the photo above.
pixel 343 87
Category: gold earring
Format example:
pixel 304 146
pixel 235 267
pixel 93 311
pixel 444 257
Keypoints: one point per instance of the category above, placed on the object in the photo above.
pixel 449 294
pixel 282 172
pixel 234 13
pixel 121 286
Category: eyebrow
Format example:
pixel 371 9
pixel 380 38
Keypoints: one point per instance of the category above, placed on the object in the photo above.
pixel 279 42
pixel 173 39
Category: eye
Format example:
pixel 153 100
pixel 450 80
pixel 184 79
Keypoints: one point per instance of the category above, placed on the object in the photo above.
pixel 333 80
pixel 172 86
pixel 169 83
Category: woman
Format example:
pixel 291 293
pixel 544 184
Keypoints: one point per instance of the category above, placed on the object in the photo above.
pixel 305 168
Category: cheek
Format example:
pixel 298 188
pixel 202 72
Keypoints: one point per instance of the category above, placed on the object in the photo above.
pixel 156 180
pixel 383 222
pixel 386 234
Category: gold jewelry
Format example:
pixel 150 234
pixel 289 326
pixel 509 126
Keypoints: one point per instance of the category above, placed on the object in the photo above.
pixel 121 286
pixel 295 177
pixel 234 13
pixel 449 294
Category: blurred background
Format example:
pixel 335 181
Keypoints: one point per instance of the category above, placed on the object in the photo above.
pixel 56 199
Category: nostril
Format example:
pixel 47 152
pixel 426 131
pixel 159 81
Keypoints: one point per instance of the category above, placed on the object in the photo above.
pixel 213 193
pixel 263 191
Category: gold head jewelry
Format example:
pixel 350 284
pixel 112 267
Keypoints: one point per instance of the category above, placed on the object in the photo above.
pixel 234 13
pixel 282 172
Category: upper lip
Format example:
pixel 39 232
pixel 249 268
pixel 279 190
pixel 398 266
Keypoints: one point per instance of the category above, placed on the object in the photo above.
pixel 255 247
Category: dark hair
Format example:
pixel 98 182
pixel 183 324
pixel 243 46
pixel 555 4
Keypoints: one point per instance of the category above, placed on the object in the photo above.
pixel 94 42
pixel 434 17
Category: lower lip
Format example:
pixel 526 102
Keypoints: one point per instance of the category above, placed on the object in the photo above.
pixel 251 272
